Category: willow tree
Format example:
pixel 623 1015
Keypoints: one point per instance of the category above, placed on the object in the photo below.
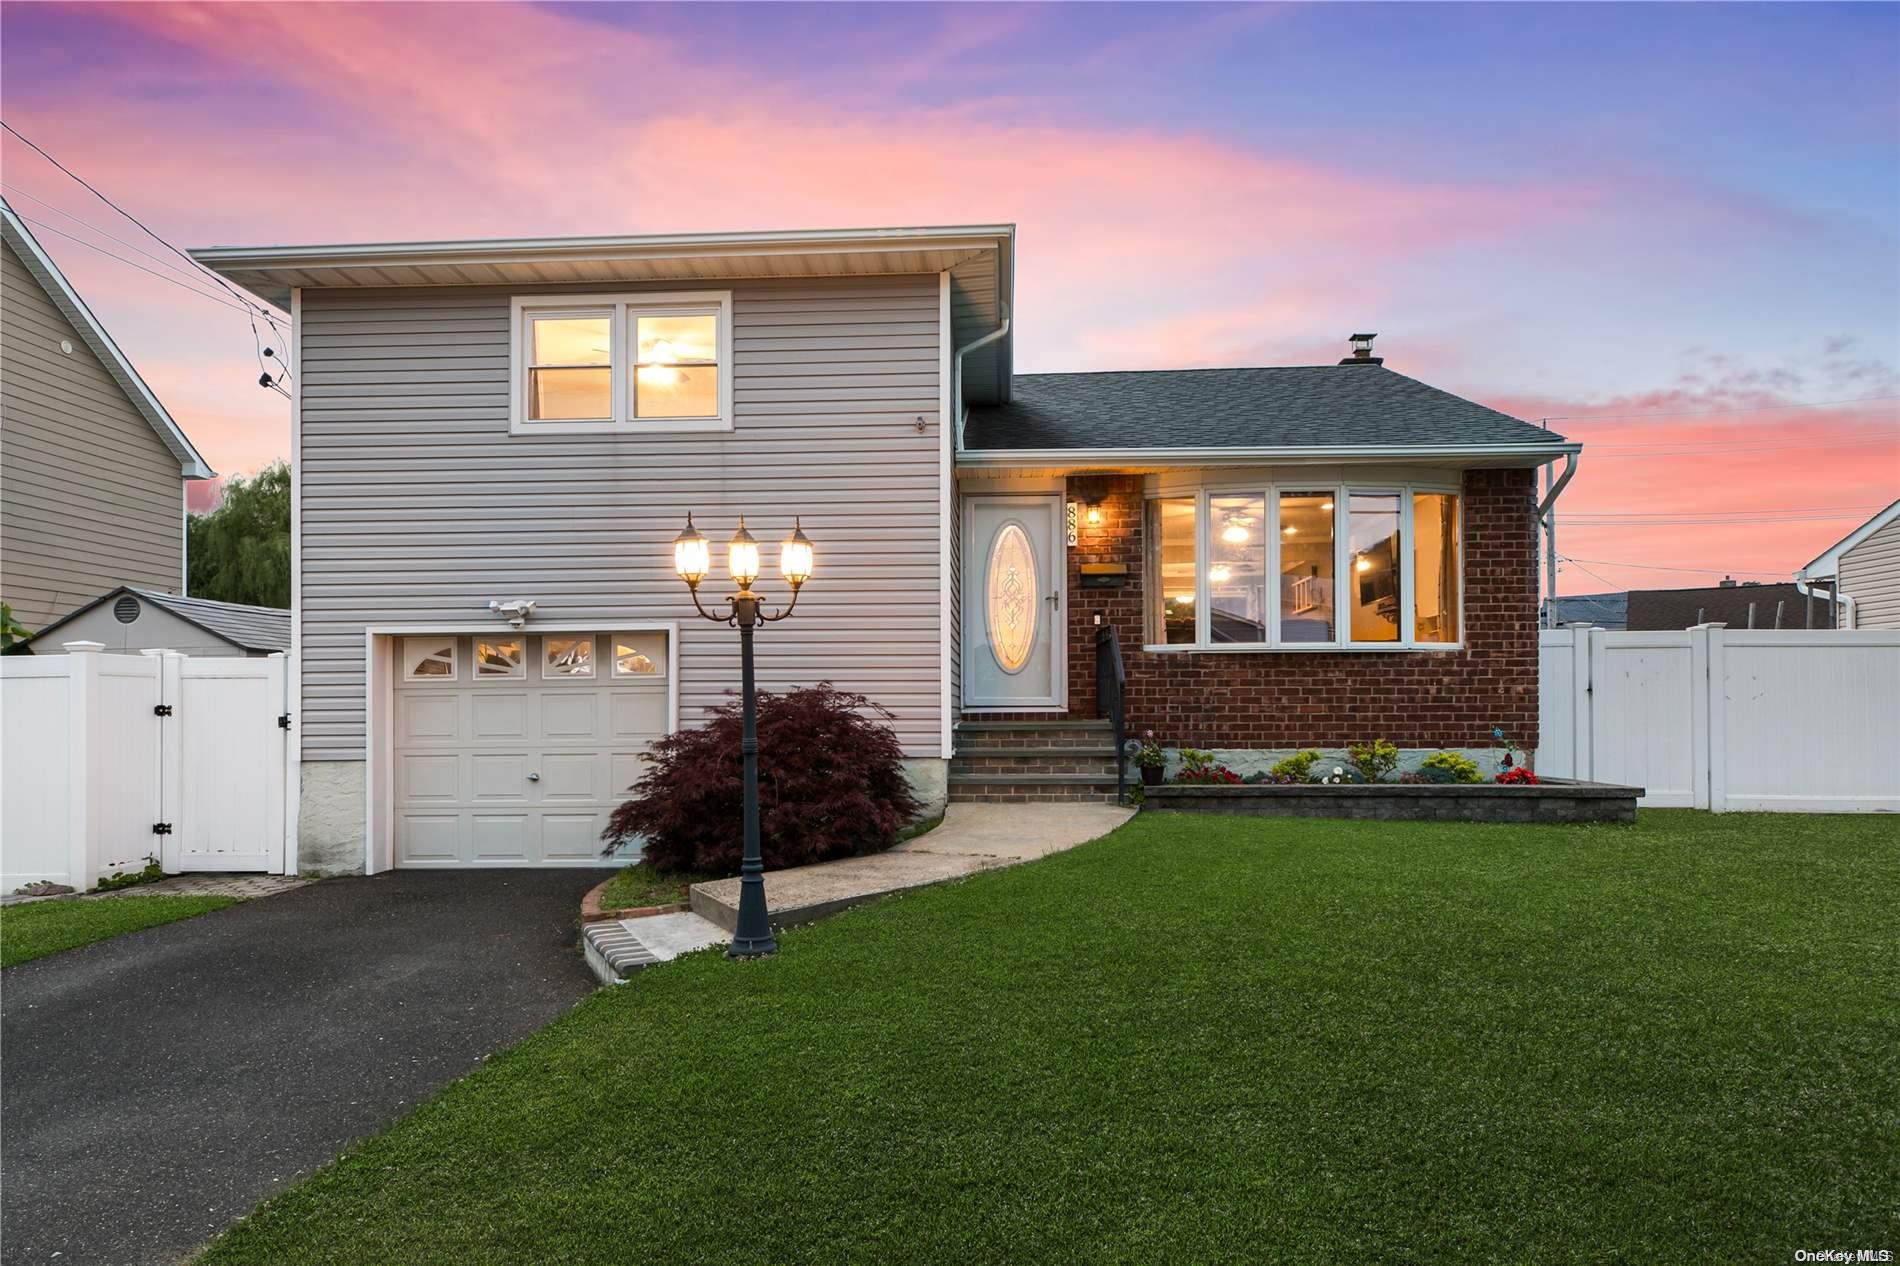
pixel 240 551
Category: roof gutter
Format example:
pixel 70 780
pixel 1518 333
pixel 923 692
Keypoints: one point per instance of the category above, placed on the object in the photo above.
pixel 1534 454
pixel 956 389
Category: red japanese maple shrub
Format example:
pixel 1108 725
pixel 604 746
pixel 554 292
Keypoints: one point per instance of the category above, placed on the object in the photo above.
pixel 831 784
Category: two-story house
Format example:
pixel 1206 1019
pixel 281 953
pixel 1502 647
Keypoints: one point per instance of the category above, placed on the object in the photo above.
pixel 1284 557
pixel 93 470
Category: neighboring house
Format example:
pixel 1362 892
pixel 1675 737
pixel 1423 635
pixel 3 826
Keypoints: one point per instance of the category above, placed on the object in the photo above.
pixel 1604 610
pixel 92 468
pixel 1313 555
pixel 1747 605
pixel 129 620
pixel 1863 567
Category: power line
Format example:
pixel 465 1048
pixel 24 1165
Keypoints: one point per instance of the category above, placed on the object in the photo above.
pixel 94 191
pixel 165 277
pixel 1712 413
pixel 254 310
pixel 1586 571
pixel 84 223
pixel 1708 571
pixel 1620 514
pixel 1704 450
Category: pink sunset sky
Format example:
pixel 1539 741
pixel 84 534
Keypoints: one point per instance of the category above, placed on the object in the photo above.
pixel 1664 228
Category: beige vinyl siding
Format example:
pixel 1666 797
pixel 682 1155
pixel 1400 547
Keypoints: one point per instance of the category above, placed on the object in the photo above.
pixel 90 497
pixel 1870 575
pixel 419 506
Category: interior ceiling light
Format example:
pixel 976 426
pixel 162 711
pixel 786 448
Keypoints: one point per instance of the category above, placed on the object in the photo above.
pixel 1327 505
pixel 1235 533
pixel 1220 573
pixel 1364 564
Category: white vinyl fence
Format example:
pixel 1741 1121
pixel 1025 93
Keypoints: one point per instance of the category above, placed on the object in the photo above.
pixel 1726 719
pixel 108 760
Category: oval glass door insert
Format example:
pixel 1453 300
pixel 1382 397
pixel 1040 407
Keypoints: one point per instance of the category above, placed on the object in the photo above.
pixel 1010 598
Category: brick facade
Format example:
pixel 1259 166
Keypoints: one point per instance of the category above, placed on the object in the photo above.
pixel 1318 698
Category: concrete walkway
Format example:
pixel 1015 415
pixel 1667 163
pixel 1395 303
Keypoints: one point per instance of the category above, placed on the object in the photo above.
pixel 971 838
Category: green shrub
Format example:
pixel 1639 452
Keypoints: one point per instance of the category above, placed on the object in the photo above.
pixel 1456 768
pixel 1297 767
pixel 152 873
pixel 1375 761
pixel 1194 760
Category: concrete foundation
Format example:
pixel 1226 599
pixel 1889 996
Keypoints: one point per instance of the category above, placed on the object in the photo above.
pixel 330 818
pixel 930 780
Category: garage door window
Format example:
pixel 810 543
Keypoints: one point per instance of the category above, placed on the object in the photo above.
pixel 568 657
pixel 428 658
pixel 500 659
pixel 639 655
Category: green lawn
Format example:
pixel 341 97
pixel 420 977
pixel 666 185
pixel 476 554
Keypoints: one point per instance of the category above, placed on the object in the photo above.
pixel 1210 1039
pixel 641 885
pixel 38 928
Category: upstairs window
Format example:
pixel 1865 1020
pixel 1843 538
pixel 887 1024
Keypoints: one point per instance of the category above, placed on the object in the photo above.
pixel 586 364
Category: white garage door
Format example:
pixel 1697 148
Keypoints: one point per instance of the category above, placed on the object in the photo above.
pixel 514 750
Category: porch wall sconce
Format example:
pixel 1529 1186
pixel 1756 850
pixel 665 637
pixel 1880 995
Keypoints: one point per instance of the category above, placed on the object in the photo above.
pixel 1092 515
pixel 692 559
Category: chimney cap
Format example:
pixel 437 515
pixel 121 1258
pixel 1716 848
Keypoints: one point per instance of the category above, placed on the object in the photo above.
pixel 1362 351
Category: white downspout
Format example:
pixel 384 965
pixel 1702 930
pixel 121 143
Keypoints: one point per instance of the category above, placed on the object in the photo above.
pixel 956 373
pixel 1834 597
pixel 1544 518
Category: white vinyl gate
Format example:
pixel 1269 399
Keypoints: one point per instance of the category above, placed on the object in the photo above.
pixel 1803 720
pixel 108 760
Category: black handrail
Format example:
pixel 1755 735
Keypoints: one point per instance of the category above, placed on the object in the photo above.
pixel 1111 690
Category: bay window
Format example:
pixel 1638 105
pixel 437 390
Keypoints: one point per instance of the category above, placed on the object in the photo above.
pixel 1237 570
pixel 637 362
pixel 1173 564
pixel 1372 527
pixel 1304 566
pixel 1435 566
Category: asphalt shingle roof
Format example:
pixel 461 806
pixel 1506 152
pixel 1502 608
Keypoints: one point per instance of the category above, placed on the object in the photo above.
pixel 253 628
pixel 1728 604
pixel 1301 406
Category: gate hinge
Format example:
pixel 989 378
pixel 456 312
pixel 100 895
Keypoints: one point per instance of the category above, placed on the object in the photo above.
pixel 162 710
pixel 161 828
pixel 283 722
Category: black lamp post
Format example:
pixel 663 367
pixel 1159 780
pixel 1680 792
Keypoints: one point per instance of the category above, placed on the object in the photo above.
pixel 692 559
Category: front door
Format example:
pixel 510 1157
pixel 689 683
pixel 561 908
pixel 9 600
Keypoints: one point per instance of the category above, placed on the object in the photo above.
pixel 1013 608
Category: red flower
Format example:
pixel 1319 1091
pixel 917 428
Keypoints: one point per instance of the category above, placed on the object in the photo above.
pixel 1518 776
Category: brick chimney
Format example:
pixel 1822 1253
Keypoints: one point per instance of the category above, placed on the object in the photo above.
pixel 1362 351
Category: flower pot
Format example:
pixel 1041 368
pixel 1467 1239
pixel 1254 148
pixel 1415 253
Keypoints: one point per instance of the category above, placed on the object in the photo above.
pixel 1151 775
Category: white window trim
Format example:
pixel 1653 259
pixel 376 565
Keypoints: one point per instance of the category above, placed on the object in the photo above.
pixel 623 309
pixel 1342 492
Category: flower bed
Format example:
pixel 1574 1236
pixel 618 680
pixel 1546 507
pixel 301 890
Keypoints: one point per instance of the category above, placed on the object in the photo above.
pixel 1545 800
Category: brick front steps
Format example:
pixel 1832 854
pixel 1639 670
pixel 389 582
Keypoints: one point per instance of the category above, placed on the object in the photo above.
pixel 1034 761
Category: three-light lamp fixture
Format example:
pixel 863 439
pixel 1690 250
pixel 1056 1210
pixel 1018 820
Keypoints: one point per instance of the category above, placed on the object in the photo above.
pixel 692 559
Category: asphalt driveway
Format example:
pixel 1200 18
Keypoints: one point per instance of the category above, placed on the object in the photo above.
pixel 156 1086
